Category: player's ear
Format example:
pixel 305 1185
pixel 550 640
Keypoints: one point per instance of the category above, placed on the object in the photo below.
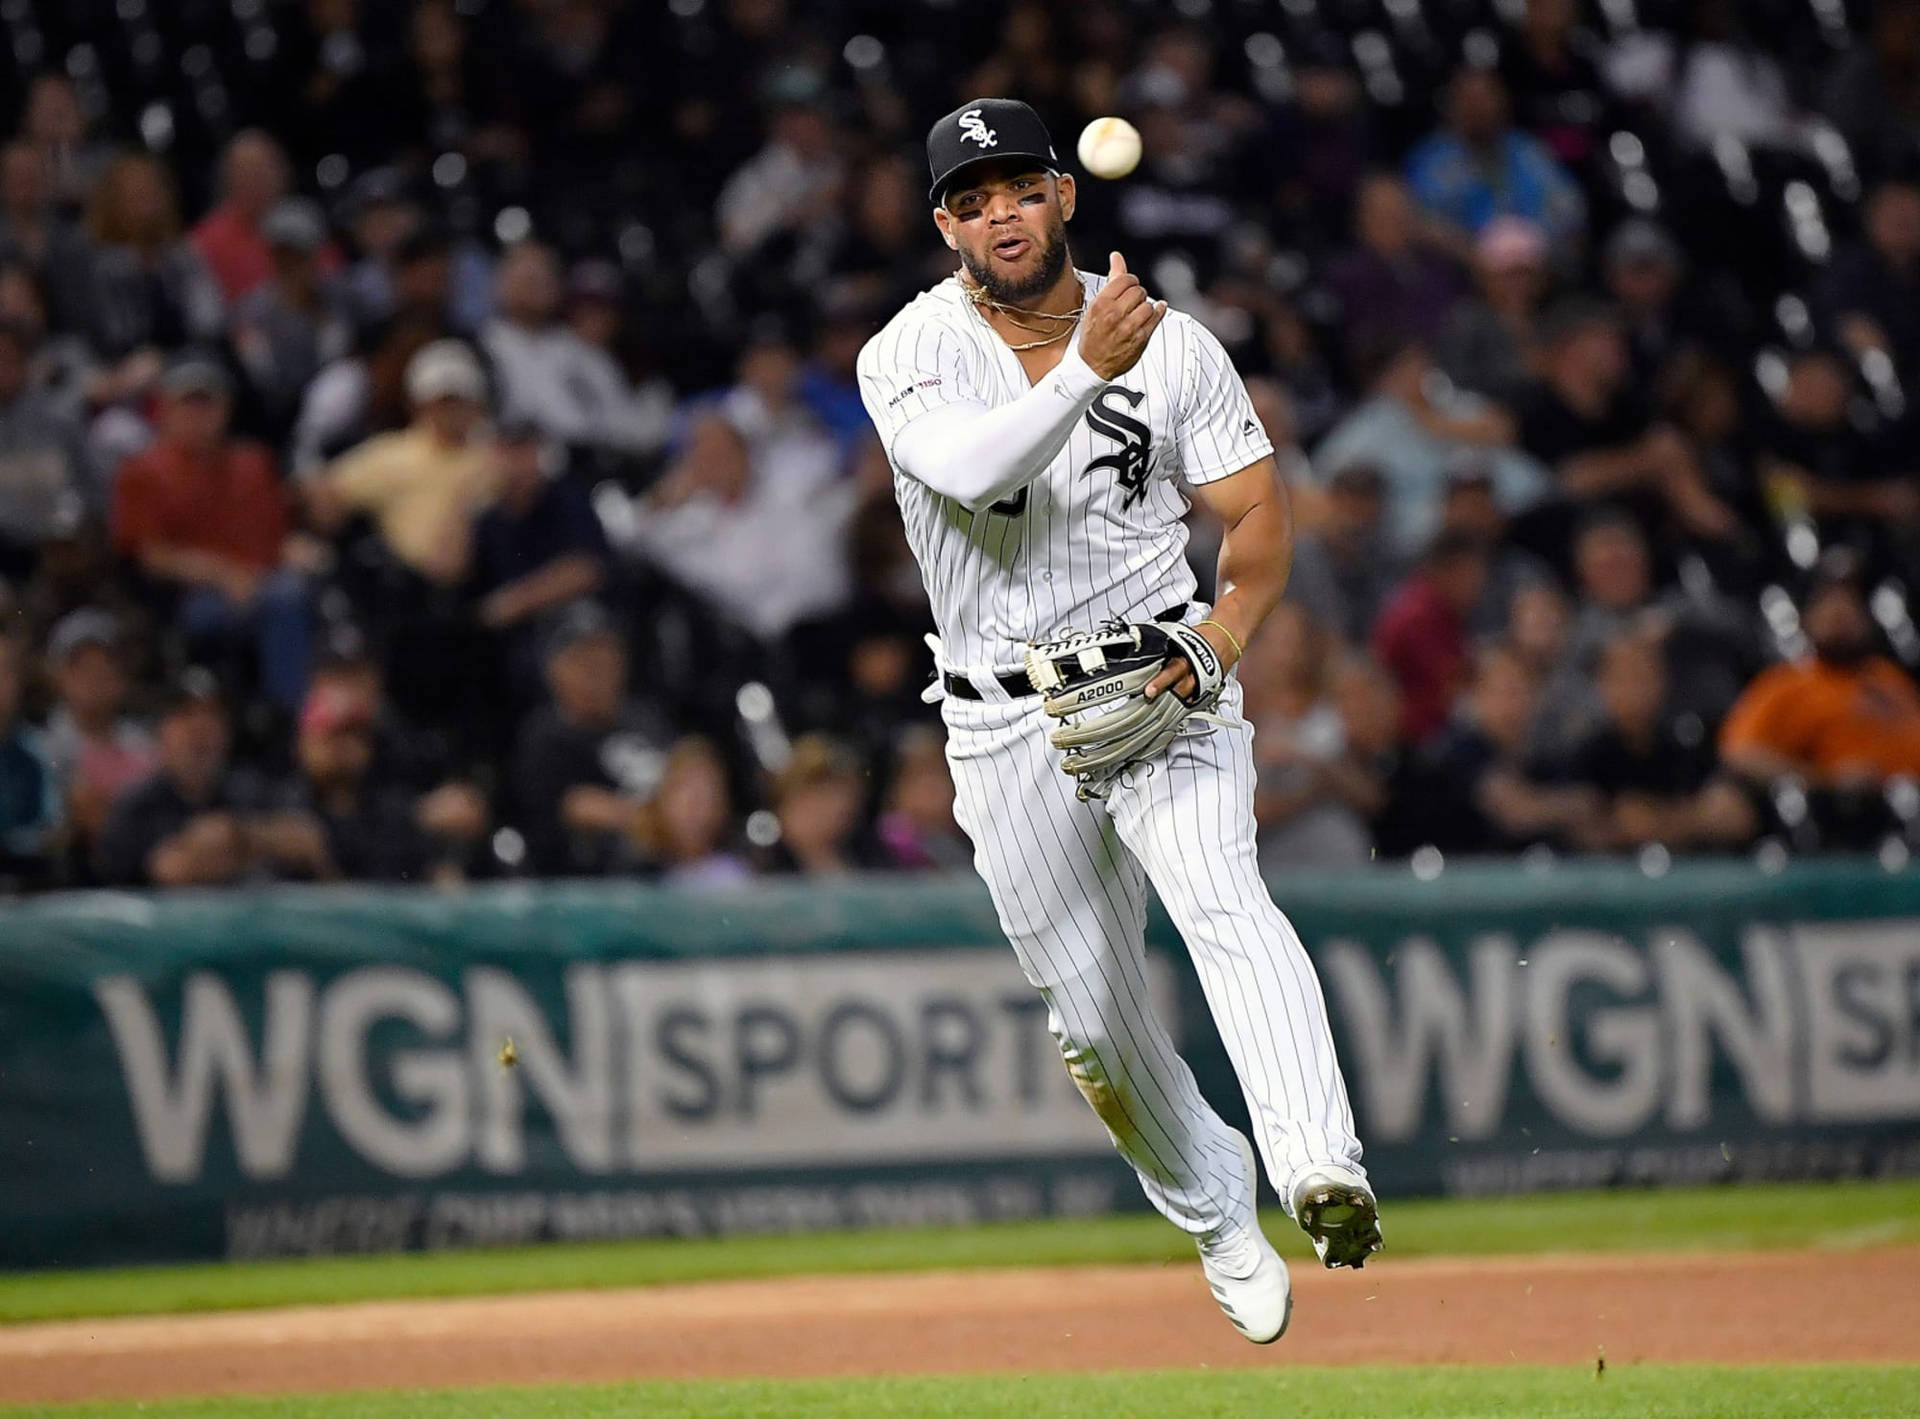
pixel 943 219
pixel 1069 194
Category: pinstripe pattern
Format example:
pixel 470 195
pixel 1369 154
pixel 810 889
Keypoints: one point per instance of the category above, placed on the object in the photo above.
pixel 1077 554
pixel 1069 878
pixel 1068 881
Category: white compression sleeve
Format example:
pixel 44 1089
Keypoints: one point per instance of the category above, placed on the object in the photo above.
pixel 977 455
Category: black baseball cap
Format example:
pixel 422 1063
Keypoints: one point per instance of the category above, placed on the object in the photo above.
pixel 982 130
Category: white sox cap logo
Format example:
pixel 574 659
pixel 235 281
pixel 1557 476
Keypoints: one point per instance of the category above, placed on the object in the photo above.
pixel 974 127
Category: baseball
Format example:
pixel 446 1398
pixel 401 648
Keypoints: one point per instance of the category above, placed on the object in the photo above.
pixel 1109 147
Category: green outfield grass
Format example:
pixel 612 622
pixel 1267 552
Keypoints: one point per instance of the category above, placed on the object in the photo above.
pixel 1813 1214
pixel 1645 1392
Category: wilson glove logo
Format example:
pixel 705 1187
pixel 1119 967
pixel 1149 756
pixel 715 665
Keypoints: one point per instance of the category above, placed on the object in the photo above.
pixel 1129 464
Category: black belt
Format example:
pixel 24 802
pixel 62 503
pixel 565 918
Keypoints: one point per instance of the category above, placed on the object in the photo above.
pixel 1015 683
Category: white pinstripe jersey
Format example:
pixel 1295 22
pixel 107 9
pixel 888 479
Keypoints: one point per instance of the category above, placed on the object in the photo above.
pixel 1099 533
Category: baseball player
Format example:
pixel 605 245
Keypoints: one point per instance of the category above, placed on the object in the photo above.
pixel 1037 417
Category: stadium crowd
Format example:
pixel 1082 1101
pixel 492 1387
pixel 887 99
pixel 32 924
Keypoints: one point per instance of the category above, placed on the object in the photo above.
pixel 429 447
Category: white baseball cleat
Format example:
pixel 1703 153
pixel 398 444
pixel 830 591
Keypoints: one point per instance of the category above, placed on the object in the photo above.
pixel 1335 1207
pixel 1248 1278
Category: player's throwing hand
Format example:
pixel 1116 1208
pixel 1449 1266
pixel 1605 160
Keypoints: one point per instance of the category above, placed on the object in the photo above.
pixel 1119 322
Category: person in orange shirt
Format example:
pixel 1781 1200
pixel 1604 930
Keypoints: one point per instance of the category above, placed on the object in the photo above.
pixel 210 516
pixel 1844 717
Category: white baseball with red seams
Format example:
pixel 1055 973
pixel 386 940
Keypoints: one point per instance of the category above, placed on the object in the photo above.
pixel 1099 534
pixel 1109 147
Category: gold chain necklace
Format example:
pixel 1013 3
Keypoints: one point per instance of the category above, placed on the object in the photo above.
pixel 978 296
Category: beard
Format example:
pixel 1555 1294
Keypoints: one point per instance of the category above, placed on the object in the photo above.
pixel 1844 651
pixel 1052 246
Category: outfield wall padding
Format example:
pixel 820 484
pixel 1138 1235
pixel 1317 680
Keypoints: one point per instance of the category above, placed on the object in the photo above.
pixel 304 1071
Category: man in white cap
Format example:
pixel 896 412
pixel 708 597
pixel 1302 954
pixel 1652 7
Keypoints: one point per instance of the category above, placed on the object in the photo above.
pixel 425 485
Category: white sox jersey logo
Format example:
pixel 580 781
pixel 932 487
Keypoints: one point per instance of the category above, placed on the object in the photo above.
pixel 973 129
pixel 1099 534
pixel 1129 465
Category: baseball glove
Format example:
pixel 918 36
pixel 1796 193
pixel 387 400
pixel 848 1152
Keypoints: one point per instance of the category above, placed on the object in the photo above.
pixel 1095 685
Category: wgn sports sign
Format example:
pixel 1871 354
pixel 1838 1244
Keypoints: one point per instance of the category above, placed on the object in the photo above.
pixel 1581 1057
pixel 311 1071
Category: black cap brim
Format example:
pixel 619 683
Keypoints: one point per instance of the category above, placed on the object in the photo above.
pixel 986 130
pixel 937 194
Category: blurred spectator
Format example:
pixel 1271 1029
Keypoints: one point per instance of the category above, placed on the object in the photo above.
pixel 916 826
pixel 149 288
pixel 1375 775
pixel 1582 422
pixel 1391 279
pixel 1421 636
pixel 1870 295
pixel 1410 426
pixel 1558 93
pixel 295 320
pixel 1482 791
pixel 1843 717
pixel 1299 749
pixel 693 819
pixel 30 799
pixel 1726 84
pixel 590 762
pixel 1871 91
pixel 59 365
pixel 754 513
pixel 1700 397
pixel 880 258
pixel 426 485
pixel 1709 643
pixel 379 218
pixel 1654 773
pixel 1821 455
pixel 817 798
pixel 195 823
pixel 634 416
pixel 538 547
pixel 367 826
pixel 35 233
pixel 1477 167
pixel 97 750
pixel 1536 628
pixel 789 188
pixel 1491 340
pixel 1642 267
pixel 1470 505
pixel 1342 569
pixel 827 385
pixel 55 122
pixel 364 394
pixel 546 373
pixel 230 238
pixel 449 808
pixel 207 515
pixel 1321 140
pixel 43 484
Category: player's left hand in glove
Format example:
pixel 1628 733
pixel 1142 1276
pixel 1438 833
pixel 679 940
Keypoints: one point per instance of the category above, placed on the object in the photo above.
pixel 1096 686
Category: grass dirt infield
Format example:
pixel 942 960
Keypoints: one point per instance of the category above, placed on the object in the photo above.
pixel 1737 1308
pixel 1644 1392
pixel 1827 1216
pixel 1705 1303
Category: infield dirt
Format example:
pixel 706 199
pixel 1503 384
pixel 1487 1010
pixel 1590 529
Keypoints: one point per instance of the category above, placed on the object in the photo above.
pixel 1775 1307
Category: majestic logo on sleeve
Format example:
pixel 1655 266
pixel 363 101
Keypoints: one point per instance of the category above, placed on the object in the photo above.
pixel 973 128
pixel 1129 464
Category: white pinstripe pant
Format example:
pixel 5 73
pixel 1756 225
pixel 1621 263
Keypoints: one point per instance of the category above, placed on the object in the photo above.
pixel 1069 881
